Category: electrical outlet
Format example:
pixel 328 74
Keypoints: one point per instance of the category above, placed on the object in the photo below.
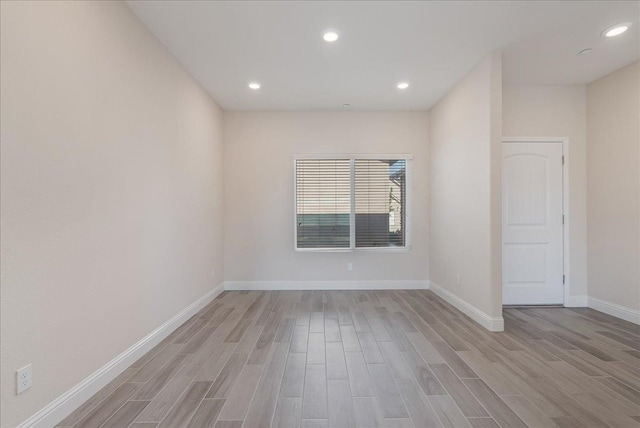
pixel 23 379
pixel 349 267
pixel 459 280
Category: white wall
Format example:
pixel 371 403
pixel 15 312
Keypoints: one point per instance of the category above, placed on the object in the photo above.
pixel 111 192
pixel 259 200
pixel 613 187
pixel 558 111
pixel 464 177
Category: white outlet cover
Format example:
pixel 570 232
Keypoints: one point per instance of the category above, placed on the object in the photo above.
pixel 23 379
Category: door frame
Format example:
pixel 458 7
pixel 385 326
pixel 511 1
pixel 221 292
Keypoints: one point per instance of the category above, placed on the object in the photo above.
pixel 565 205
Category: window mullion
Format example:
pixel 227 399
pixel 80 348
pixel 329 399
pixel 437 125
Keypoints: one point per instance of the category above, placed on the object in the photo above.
pixel 352 213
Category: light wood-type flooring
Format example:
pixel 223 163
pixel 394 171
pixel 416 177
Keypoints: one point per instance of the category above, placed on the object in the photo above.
pixel 376 359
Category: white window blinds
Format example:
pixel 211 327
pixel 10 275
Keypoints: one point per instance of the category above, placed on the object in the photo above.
pixel 380 194
pixel 323 203
pixel 351 203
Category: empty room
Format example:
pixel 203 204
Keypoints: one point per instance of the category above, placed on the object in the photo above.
pixel 314 214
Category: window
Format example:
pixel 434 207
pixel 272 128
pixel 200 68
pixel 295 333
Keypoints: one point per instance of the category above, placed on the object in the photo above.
pixel 380 194
pixel 323 203
pixel 351 203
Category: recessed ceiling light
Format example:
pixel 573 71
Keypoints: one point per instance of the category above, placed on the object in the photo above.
pixel 616 30
pixel 331 36
pixel 585 51
pixel 403 85
pixel 346 105
pixel 254 85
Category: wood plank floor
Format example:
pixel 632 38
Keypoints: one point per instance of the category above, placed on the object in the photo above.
pixel 376 359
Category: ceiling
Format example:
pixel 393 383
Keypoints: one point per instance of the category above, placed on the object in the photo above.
pixel 224 45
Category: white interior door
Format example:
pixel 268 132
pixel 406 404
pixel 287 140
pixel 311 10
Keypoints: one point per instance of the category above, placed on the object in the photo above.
pixel 532 223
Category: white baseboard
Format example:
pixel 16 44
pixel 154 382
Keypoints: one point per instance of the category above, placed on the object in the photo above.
pixel 482 318
pixel 61 407
pixel 326 285
pixel 618 311
pixel 576 302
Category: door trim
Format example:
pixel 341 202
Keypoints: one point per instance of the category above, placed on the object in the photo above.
pixel 565 205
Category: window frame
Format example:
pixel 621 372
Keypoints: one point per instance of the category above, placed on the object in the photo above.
pixel 408 158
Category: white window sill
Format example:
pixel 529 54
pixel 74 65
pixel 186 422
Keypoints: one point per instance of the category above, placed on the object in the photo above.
pixel 350 250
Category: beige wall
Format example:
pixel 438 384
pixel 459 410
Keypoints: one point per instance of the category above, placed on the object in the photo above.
pixel 558 111
pixel 259 200
pixel 111 192
pixel 464 177
pixel 613 187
